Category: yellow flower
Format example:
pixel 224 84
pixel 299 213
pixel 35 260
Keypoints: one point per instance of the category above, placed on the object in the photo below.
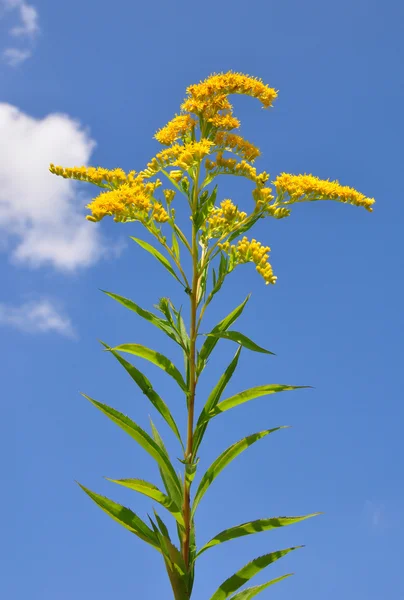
pixel 299 187
pixel 163 159
pixel 221 221
pixel 120 202
pixel 237 144
pixel 251 251
pixel 223 84
pixel 159 213
pixel 193 152
pixel 175 129
pixel 278 212
pixel 224 121
pixel 207 107
pixel 176 175
pixel 262 196
pixel 97 175
pixel 183 156
pixel 230 166
pixel 169 195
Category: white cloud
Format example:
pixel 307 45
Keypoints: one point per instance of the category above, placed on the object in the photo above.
pixel 29 21
pixel 27 29
pixel 41 215
pixel 36 317
pixel 14 56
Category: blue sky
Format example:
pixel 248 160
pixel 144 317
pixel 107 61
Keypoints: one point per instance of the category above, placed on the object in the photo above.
pixel 92 82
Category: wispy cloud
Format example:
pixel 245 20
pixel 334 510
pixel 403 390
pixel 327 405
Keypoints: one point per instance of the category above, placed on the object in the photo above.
pixel 27 29
pixel 41 215
pixel 29 21
pixel 14 56
pixel 36 317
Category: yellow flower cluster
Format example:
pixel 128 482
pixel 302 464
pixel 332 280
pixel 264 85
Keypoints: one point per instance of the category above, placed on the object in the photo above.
pixel 230 166
pixel 128 202
pixel 237 144
pixel 175 129
pixel 169 195
pixel 183 156
pixel 207 107
pixel 278 212
pixel 299 186
pixel 222 221
pixel 96 175
pixel 224 121
pixel 176 175
pixel 251 251
pixel 262 196
pixel 223 84
pixel 159 213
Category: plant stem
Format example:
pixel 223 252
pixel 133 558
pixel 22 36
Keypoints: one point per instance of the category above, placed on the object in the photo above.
pixel 192 376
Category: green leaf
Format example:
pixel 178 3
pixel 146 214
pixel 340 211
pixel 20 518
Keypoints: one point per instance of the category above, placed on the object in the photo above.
pixel 206 202
pixel 212 400
pixel 202 286
pixel 173 561
pixel 160 257
pixel 211 341
pixel 181 236
pixel 124 516
pixel 175 246
pixel 254 591
pixel 145 314
pixel 218 280
pixel 141 437
pixel 163 528
pixel 153 492
pixel 235 582
pixel 224 459
pixel 244 228
pixel 252 527
pixel 241 339
pixel 174 491
pixel 148 391
pixel 156 358
pixel 251 394
pixel 180 327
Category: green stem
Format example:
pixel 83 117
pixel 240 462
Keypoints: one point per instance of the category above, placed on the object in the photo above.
pixel 186 509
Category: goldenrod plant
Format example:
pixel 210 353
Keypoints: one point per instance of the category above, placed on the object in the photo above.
pixel 200 145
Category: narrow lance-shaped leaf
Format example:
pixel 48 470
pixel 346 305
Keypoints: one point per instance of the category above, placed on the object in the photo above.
pixel 145 314
pixel 124 516
pixel 181 236
pixel 218 280
pixel 233 583
pixel 251 592
pixel 241 339
pixel 251 394
pixel 173 561
pixel 147 388
pixel 156 358
pixel 244 228
pixel 224 459
pixel 153 492
pixel 175 246
pixel 174 491
pixel 212 400
pixel 182 330
pixel 252 527
pixel 160 257
pixel 211 341
pixel 141 437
